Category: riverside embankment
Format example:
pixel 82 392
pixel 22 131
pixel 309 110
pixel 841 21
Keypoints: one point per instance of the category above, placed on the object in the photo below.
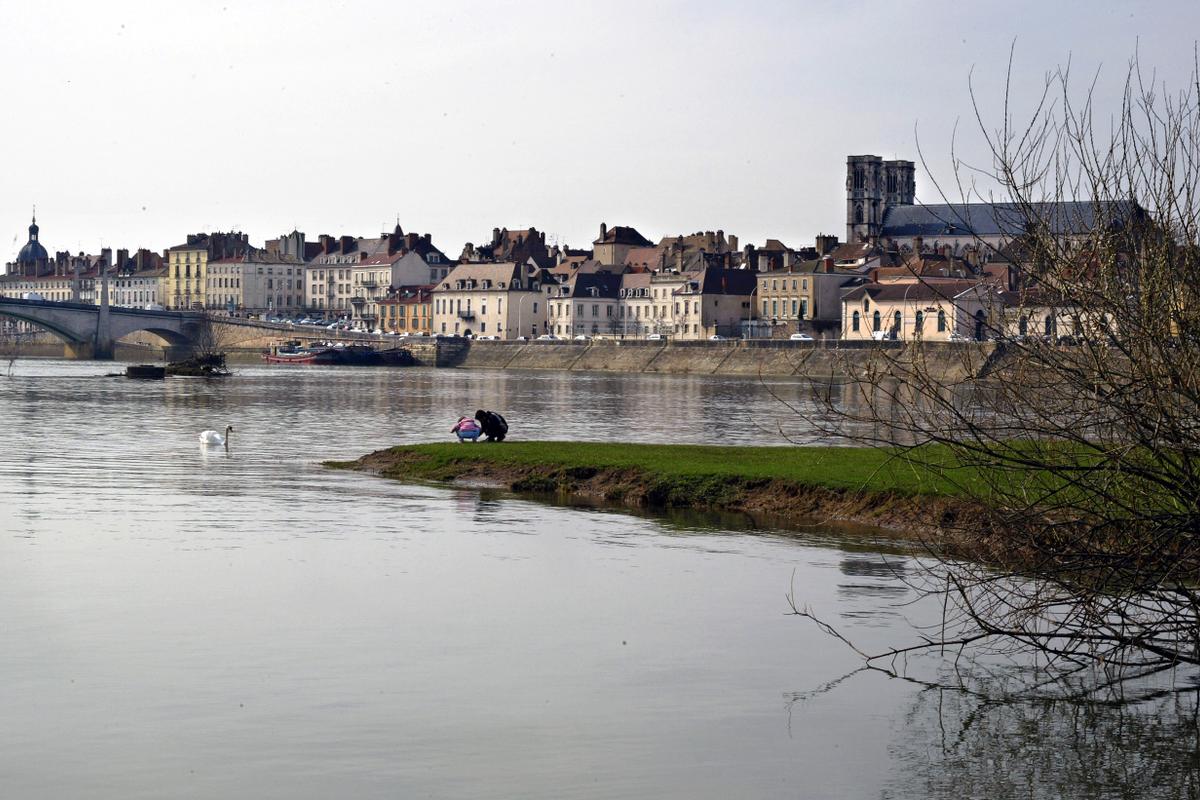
pixel 793 486
pixel 243 341
pixel 949 362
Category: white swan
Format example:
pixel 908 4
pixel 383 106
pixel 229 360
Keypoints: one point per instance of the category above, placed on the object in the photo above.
pixel 212 437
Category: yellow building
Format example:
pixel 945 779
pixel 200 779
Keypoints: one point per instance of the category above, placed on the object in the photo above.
pixel 187 269
pixel 409 310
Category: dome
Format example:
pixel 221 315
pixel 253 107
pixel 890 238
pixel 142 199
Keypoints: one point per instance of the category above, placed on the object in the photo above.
pixel 33 252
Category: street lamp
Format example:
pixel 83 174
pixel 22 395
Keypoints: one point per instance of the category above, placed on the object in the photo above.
pixel 520 300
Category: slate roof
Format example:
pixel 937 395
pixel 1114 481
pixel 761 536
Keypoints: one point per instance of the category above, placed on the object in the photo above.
pixel 999 219
pixel 606 284
pixel 623 234
pixel 916 291
pixel 716 280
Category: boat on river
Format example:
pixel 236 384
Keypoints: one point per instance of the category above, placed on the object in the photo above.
pixel 293 352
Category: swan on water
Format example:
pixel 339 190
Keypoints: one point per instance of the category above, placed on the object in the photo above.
pixel 212 437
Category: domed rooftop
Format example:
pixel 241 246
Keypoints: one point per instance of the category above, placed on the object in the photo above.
pixel 33 252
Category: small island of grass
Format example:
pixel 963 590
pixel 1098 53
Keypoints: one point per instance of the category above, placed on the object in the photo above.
pixel 881 487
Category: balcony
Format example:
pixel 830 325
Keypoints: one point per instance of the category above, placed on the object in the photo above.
pixel 358 301
pixel 467 314
pixel 370 283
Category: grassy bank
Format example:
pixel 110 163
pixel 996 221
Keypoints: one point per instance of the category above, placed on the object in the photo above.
pixel 872 486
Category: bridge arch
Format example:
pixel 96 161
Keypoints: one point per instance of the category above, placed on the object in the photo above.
pixel 61 332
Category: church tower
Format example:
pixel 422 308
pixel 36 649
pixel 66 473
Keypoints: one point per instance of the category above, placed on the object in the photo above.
pixel 872 186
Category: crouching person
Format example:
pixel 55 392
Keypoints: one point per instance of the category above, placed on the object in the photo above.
pixel 494 426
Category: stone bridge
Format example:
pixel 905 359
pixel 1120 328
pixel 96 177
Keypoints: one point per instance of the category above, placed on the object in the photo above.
pixel 90 331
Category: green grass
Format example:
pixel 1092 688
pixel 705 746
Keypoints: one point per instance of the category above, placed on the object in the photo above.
pixel 701 468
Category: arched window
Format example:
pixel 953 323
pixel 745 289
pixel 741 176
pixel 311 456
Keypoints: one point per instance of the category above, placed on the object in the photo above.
pixel 858 212
pixel 919 323
pixel 866 304
pixel 878 320
pixel 1049 325
pixel 1023 326
pixel 979 324
pixel 897 321
pixel 854 321
pixel 941 321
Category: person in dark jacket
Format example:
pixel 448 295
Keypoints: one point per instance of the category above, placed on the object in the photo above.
pixel 494 426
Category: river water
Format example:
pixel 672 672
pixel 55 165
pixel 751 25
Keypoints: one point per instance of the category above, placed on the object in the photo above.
pixel 183 623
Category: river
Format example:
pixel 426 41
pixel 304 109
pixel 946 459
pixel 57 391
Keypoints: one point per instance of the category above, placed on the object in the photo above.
pixel 192 624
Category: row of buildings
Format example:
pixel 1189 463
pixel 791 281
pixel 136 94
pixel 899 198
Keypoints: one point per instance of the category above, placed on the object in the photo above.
pixel 905 271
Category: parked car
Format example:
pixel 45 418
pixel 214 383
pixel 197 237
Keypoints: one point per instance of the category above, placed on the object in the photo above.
pixel 582 337
pixel 547 337
pixel 800 337
pixel 654 337
pixel 522 339
pixel 716 337
pixel 154 307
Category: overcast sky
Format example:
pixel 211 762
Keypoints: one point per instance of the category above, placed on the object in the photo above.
pixel 133 123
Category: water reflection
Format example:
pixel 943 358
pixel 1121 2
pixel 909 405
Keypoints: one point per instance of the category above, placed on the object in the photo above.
pixel 951 745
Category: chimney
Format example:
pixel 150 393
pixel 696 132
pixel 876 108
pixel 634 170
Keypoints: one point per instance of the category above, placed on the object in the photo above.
pixel 603 231
pixel 918 244
pixel 495 236
pixel 733 243
pixel 827 263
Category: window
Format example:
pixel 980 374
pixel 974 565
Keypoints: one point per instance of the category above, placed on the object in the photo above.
pixel 877 322
pixel 1023 325
pixel 854 322
pixel 764 308
pixel 774 308
pixel 897 321
pixel 941 321
pixel 919 322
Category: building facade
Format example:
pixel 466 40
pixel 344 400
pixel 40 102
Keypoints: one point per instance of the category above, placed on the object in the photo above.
pixel 489 299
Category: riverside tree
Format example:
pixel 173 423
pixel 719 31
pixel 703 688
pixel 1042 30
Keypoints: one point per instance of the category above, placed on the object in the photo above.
pixel 1083 443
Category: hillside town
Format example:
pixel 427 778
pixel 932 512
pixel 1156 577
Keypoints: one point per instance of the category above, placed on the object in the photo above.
pixel 904 270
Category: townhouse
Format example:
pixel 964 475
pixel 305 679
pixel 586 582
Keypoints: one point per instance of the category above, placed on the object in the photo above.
pixel 505 299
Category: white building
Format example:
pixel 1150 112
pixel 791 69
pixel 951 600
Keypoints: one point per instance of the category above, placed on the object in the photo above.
pixel 484 299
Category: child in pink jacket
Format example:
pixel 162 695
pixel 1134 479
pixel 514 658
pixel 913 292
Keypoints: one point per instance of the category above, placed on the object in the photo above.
pixel 466 428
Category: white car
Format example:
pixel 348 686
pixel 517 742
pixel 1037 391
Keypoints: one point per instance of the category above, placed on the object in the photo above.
pixel 800 337
pixel 654 337
pixel 582 337
pixel 716 337
pixel 547 337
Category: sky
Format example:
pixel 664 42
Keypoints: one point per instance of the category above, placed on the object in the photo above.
pixel 131 124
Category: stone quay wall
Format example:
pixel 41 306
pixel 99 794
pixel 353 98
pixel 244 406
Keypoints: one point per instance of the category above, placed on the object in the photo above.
pixel 951 362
